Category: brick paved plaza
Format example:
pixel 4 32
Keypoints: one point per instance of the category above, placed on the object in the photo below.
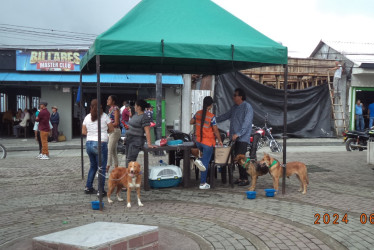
pixel 39 197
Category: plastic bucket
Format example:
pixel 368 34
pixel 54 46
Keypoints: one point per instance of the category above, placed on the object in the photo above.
pixel 251 194
pixel 270 192
pixel 96 205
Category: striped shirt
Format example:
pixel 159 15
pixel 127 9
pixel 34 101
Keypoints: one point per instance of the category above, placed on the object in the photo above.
pixel 241 119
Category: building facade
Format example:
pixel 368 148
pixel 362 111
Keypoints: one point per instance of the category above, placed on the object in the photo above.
pixel 27 76
pixel 357 60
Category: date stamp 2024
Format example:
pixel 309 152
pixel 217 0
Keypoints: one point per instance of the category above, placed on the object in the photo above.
pixel 336 218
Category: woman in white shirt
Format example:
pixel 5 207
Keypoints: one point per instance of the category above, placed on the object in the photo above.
pixel 90 128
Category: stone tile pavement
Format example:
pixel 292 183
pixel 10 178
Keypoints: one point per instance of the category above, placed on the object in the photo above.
pixel 39 197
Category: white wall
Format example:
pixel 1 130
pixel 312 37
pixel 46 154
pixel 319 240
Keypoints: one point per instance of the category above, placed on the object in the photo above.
pixel 173 105
pixel 63 100
pixel 359 80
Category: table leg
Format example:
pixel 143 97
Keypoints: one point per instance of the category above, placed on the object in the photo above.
pixel 230 169
pixel 172 157
pixel 224 173
pixel 186 168
pixel 146 171
pixel 212 173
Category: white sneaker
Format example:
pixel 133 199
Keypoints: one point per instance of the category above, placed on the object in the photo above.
pixel 204 186
pixel 39 156
pixel 44 157
pixel 200 165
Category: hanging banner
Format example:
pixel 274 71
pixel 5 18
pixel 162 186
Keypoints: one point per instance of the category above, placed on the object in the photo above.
pixel 48 60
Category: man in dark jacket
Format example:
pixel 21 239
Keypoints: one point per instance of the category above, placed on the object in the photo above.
pixel 55 120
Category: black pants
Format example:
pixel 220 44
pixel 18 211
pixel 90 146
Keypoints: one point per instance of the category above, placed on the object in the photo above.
pixel 55 131
pixel 241 148
pixel 134 144
pixel 39 141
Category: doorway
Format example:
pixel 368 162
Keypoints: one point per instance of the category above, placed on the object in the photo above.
pixel 366 95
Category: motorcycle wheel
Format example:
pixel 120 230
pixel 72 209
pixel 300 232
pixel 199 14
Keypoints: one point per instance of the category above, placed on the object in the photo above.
pixel 348 144
pixel 254 148
pixel 275 146
pixel 2 152
pixel 261 143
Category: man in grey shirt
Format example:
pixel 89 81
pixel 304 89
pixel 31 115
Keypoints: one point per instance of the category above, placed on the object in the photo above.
pixel 241 118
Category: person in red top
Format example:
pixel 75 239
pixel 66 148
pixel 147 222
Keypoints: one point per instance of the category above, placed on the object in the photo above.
pixel 125 117
pixel 44 128
pixel 206 133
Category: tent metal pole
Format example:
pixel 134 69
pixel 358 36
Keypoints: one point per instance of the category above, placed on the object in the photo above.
pixel 158 134
pixel 285 83
pixel 80 117
pixel 99 132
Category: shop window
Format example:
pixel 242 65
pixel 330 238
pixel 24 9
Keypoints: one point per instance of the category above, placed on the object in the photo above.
pixel 3 102
pixel 21 102
pixel 35 102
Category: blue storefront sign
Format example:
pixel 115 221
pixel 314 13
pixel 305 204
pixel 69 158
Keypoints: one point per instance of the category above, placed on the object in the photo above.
pixel 49 60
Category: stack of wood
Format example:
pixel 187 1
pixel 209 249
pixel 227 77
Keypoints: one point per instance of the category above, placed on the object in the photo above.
pixel 302 73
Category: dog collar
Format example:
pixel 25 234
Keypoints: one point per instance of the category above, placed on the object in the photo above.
pixel 274 162
pixel 248 159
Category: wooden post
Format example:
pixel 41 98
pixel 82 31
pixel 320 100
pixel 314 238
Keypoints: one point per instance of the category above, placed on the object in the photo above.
pixel 277 81
pixel 261 78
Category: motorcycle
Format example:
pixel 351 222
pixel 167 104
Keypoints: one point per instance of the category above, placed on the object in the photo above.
pixel 357 140
pixel 268 139
pixel 253 145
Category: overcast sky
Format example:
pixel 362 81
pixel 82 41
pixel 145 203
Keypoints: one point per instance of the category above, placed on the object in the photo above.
pixel 297 24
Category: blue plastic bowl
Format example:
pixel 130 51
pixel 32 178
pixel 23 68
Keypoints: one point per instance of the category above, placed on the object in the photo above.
pixel 96 205
pixel 270 192
pixel 251 194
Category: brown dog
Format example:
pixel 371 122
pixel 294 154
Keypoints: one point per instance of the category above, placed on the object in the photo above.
pixel 129 177
pixel 253 169
pixel 295 167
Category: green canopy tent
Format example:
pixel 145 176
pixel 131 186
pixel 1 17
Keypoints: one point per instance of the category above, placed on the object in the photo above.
pixel 179 36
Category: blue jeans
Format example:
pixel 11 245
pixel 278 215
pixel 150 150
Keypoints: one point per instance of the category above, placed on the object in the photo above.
pixel 360 121
pixel 92 151
pixel 371 122
pixel 207 155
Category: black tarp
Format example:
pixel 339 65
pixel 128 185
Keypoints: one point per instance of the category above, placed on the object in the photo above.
pixel 309 110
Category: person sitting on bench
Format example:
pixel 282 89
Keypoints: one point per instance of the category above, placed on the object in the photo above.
pixel 22 124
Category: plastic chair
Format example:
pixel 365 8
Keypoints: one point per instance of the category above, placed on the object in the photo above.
pixel 24 129
pixel 219 162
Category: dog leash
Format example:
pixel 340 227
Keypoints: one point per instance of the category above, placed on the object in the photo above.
pixel 123 177
pixel 248 159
